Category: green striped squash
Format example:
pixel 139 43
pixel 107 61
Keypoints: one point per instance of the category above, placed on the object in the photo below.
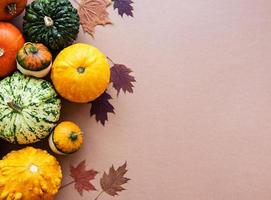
pixel 29 109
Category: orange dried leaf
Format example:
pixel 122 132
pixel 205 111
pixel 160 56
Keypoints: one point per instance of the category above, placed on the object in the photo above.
pixel 93 13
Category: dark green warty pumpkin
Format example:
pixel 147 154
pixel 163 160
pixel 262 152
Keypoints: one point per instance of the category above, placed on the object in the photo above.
pixel 55 23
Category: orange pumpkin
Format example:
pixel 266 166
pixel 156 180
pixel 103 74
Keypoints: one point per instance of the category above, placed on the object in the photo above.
pixel 11 40
pixel 11 8
pixel 67 138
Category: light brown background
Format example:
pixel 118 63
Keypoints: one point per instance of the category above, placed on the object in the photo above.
pixel 198 125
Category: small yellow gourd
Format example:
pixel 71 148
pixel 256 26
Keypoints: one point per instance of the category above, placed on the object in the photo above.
pixel 29 174
pixel 67 138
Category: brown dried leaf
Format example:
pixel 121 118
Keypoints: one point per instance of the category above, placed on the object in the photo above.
pixel 112 182
pixel 121 78
pixel 101 107
pixel 124 7
pixel 93 13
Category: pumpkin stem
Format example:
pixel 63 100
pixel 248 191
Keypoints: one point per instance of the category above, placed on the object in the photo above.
pixel 1 52
pixel 80 70
pixel 73 136
pixel 48 21
pixel 33 168
pixel 32 49
pixel 14 106
pixel 12 8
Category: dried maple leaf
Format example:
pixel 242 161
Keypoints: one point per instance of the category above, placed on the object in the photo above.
pixel 121 78
pixel 82 177
pixel 101 107
pixel 93 13
pixel 124 7
pixel 112 182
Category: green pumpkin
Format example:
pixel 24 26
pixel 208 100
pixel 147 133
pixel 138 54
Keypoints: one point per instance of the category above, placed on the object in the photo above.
pixel 29 109
pixel 55 23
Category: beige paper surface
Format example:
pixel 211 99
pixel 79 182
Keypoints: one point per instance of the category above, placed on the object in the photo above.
pixel 198 124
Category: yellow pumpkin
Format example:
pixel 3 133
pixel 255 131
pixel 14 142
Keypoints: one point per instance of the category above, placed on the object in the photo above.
pixel 67 138
pixel 80 73
pixel 29 174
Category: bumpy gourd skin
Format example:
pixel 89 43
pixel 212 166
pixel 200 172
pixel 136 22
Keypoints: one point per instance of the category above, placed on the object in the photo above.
pixel 29 174
pixel 55 23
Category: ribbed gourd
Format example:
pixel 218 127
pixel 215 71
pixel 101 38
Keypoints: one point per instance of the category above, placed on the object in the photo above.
pixel 29 109
pixel 29 174
pixel 55 23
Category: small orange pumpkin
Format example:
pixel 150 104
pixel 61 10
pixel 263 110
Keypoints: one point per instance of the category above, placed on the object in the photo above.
pixel 11 40
pixel 11 8
pixel 34 59
pixel 67 138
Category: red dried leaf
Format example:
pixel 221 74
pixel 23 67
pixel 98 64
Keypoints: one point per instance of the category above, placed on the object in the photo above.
pixel 112 182
pixel 101 107
pixel 121 78
pixel 93 13
pixel 124 7
pixel 82 177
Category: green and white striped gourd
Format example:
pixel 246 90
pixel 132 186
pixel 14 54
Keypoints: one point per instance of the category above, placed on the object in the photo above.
pixel 29 109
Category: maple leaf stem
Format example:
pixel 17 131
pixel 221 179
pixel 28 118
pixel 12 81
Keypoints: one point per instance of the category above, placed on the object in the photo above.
pixel 66 185
pixel 111 60
pixel 99 195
